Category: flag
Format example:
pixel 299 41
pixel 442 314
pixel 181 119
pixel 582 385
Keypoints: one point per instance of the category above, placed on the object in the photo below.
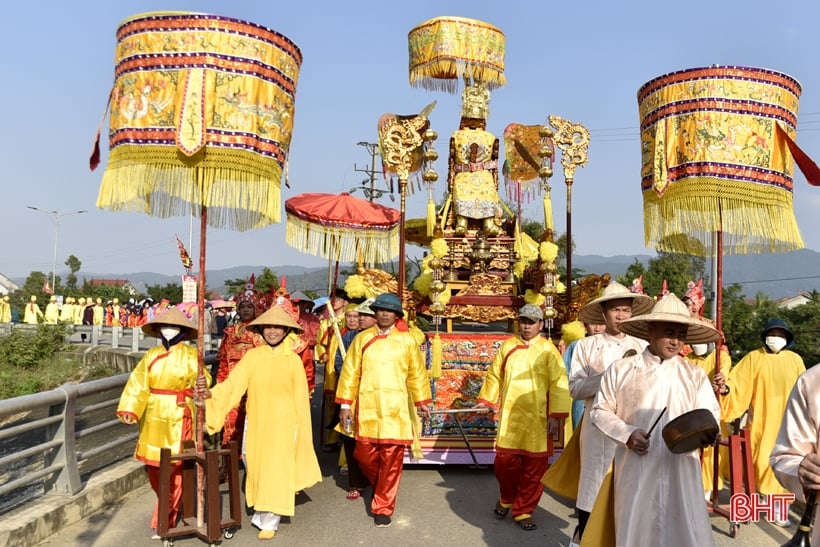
pixel 183 255
pixel 46 287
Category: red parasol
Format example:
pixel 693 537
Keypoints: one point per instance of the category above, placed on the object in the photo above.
pixel 342 227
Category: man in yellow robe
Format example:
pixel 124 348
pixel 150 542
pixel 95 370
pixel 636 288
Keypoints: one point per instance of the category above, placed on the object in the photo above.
pixel 99 312
pixel 158 396
pixel 33 313
pixel 383 375
pixel 760 383
pixel 529 376
pixel 5 310
pixel 52 314
pixel 279 455
pixel 327 343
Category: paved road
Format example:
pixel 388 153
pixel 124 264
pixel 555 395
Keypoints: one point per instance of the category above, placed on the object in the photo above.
pixel 436 506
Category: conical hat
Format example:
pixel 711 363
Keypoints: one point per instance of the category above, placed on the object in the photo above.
pixel 172 317
pixel 670 309
pixel 593 312
pixel 276 315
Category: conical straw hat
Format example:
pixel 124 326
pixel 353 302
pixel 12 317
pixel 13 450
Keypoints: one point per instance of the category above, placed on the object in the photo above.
pixel 276 315
pixel 172 317
pixel 593 312
pixel 670 309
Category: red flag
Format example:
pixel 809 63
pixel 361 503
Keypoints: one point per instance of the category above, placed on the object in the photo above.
pixel 803 161
pixel 183 255
pixel 46 287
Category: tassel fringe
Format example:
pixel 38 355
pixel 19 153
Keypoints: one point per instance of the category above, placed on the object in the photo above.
pixel 436 356
pixel 343 243
pixel 753 218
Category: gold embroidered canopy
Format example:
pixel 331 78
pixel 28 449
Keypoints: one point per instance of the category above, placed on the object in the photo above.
pixel 446 49
pixel 201 114
pixel 715 158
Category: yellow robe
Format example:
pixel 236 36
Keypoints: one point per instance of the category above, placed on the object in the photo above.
pixel 527 377
pixel 52 314
pixel 384 375
pixel 707 364
pixel 761 382
pixel 474 191
pixel 280 459
pixel 99 314
pixel 160 415
pixel 5 312
pixel 32 314
pixel 67 313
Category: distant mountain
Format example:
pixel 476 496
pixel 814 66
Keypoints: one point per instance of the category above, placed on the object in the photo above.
pixel 775 275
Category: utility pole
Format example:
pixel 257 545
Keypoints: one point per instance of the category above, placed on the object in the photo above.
pixel 371 193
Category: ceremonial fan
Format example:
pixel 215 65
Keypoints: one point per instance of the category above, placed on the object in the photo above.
pixel 201 116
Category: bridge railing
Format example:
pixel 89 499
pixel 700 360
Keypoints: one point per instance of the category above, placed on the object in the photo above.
pixel 51 441
pixel 114 337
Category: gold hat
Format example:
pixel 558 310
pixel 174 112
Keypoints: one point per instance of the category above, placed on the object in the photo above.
pixel 670 309
pixel 277 316
pixel 173 317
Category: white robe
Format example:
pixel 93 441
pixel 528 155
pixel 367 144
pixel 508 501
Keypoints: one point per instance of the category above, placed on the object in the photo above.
pixel 799 435
pixel 658 495
pixel 592 356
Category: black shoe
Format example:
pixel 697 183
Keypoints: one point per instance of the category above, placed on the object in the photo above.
pixel 382 521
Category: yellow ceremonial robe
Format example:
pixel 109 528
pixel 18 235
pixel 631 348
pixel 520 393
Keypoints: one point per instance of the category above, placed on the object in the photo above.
pixel 160 382
pixel 52 314
pixel 280 459
pixel 384 375
pixel 527 377
pixel 99 314
pixel 32 314
pixel 761 382
pixel 5 312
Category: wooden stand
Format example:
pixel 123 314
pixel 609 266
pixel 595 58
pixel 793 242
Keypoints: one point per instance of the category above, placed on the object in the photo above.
pixel 208 463
pixel 741 473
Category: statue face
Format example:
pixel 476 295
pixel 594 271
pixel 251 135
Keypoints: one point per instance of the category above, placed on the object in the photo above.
pixel 472 123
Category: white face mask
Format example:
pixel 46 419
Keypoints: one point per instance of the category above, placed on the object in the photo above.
pixel 700 349
pixel 169 332
pixel 775 343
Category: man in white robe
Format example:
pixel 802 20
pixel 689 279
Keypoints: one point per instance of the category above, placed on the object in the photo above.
pixel 591 357
pixel 658 494
pixel 795 459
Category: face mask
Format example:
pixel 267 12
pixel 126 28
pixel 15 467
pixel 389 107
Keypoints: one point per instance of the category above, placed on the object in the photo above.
pixel 700 349
pixel 169 332
pixel 775 343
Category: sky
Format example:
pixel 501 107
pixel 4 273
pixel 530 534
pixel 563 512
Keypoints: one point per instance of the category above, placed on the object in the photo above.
pixel 582 61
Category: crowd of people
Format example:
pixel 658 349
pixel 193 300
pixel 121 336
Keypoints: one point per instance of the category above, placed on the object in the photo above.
pixel 631 364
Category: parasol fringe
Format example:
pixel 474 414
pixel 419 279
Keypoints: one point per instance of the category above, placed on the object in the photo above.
pixel 236 199
pixel 429 75
pixel 752 218
pixel 346 244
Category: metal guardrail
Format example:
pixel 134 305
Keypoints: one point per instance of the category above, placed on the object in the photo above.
pixel 49 441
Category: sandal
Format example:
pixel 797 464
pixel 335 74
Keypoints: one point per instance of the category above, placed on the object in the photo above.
pixel 500 511
pixel 527 524
pixel 353 494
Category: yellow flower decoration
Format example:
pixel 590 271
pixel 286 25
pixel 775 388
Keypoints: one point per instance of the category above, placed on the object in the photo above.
pixel 560 288
pixel 422 283
pixel 439 247
pixel 531 297
pixel 574 330
pixel 444 296
pixel 548 251
pixel 355 287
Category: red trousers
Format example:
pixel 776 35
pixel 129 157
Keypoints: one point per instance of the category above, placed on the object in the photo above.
pixel 381 464
pixel 175 491
pixel 519 481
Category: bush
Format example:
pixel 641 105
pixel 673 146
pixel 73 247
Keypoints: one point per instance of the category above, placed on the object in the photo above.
pixel 25 349
pixel 48 374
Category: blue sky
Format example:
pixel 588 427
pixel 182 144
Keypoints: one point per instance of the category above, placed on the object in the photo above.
pixel 583 61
